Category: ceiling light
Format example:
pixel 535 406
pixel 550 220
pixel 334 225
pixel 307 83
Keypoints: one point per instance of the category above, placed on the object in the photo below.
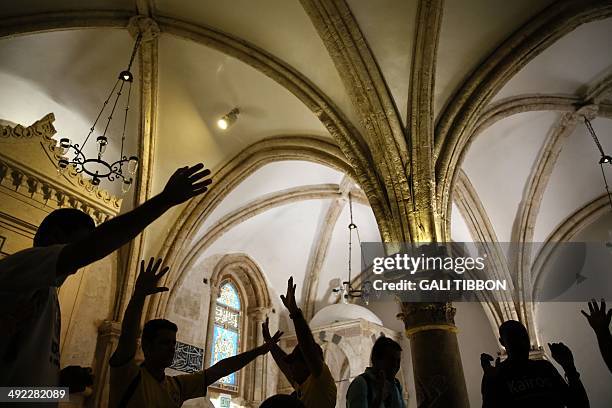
pixel 228 119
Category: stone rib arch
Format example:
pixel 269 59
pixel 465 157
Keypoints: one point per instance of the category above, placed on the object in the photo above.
pixel 456 123
pixel 230 175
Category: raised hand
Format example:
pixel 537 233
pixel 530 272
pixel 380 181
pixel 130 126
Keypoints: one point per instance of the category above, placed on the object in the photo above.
pixel 185 184
pixel 146 283
pixel 562 355
pixel 485 363
pixel 598 319
pixel 289 298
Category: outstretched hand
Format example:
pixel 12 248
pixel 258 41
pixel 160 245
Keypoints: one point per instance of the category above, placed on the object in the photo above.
pixel 289 298
pixel 562 355
pixel 185 184
pixel 146 283
pixel 598 319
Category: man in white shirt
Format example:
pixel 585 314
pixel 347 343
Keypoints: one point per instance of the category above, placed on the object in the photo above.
pixel 66 240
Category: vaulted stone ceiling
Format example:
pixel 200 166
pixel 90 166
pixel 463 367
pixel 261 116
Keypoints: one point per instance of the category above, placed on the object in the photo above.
pixel 268 58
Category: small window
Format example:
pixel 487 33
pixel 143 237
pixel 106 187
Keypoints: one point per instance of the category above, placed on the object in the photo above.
pixel 226 331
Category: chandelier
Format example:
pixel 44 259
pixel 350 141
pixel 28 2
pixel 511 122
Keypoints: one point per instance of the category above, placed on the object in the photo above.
pixel 604 159
pixel 98 167
pixel 346 289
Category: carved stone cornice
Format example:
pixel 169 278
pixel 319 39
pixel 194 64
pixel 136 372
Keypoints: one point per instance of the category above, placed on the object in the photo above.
pixel 28 167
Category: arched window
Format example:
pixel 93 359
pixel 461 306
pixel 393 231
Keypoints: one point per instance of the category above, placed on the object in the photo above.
pixel 226 331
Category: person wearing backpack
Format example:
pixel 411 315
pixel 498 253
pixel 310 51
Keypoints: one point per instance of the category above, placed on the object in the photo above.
pixel 377 387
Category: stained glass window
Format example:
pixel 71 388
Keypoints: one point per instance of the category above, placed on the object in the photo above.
pixel 226 331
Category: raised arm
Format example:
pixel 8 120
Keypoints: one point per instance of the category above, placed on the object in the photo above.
pixel 184 184
pixel 146 284
pixel 599 320
pixel 277 353
pixel 232 364
pixel 308 346
pixel 576 394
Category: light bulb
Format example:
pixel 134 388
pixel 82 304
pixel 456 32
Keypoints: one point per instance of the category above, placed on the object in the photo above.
pixel 228 119
pixel 65 143
pixel 63 163
pixel 222 123
pixel 95 181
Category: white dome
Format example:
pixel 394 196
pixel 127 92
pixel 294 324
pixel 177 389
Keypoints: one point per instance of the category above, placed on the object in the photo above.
pixel 342 312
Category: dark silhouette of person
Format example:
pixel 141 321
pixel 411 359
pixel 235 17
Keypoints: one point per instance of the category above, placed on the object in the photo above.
pixel 146 385
pixel 521 382
pixel 599 320
pixel 66 240
pixel 377 386
pixel 305 366
pixel 282 401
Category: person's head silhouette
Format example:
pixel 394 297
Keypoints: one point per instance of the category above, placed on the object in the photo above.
pixel 514 337
pixel 63 226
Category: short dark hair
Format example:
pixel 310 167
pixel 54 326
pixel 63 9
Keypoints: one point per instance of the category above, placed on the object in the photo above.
pixel 64 221
pixel 383 345
pixel 282 401
pixel 152 327
pixel 512 327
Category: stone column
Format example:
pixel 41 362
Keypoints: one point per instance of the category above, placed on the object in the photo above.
pixel 438 372
pixel 108 337
pixel 257 381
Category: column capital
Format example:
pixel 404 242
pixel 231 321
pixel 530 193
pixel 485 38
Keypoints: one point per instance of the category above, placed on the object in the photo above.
pixel 427 316
pixel 258 313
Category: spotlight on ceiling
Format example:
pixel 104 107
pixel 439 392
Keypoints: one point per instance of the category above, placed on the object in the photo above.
pixel 605 159
pixel 228 119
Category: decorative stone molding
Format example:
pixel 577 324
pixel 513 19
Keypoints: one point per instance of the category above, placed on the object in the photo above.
pixel 385 136
pixel 145 26
pixel 28 168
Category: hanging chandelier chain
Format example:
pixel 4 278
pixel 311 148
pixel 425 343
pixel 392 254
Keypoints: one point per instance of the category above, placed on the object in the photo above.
pixel 350 239
pixel 110 117
pixel 136 45
pixel 93 127
pixel 125 118
pixel 603 173
pixel 588 125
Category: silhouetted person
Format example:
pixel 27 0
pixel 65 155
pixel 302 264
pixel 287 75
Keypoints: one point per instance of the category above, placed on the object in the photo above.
pixel 282 401
pixel 146 385
pixel 599 320
pixel 65 241
pixel 524 383
pixel 377 386
pixel 305 367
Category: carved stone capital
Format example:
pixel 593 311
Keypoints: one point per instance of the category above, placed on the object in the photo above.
pixel 258 313
pixel 145 26
pixel 426 316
